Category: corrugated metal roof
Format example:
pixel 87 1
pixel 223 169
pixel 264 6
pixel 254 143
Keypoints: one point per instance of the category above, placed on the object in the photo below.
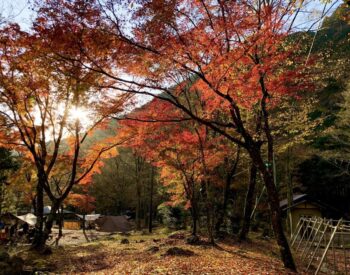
pixel 296 197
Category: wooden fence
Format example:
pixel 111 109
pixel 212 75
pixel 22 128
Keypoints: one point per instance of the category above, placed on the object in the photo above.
pixel 322 245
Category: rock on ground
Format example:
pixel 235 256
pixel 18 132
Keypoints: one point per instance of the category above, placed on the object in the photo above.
pixel 124 241
pixel 177 251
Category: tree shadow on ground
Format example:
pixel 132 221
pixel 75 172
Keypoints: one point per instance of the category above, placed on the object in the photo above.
pixel 91 257
pixel 94 258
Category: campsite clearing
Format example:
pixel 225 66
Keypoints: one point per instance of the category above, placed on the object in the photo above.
pixel 146 254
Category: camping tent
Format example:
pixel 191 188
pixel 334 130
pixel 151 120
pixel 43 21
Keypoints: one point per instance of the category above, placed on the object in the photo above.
pixel 113 224
pixel 89 217
pixel 28 218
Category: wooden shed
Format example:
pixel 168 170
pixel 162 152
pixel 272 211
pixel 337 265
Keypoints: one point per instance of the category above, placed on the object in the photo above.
pixel 302 206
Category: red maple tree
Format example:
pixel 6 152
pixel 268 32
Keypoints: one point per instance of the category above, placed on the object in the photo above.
pixel 234 57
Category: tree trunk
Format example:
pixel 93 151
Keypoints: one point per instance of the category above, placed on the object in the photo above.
pixel 41 244
pixel 40 239
pixel 248 203
pixel 138 207
pixel 49 221
pixel 222 209
pixel 60 226
pixel 138 169
pixel 194 210
pixel 276 215
pixel 276 218
pixel 34 205
pixel 150 225
pixel 268 175
pixel 209 212
pixel 39 213
pixel 289 192
pixel 1 195
pixel 210 220
pixel 194 221
pixel 229 178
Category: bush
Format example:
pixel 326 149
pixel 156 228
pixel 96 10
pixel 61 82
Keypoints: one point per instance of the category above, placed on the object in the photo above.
pixel 172 217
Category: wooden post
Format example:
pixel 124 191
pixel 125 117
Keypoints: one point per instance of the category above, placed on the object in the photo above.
pixel 320 221
pixel 302 237
pixel 344 250
pixel 318 244
pixel 328 245
pixel 297 229
pixel 310 238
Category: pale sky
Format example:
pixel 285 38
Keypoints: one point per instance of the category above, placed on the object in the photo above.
pixel 19 11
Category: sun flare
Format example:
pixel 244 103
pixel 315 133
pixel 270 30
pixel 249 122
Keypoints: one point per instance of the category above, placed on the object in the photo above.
pixel 79 113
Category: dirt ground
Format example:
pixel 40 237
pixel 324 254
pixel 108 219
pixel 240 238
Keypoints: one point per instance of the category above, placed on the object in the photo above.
pixel 147 254
pixel 75 237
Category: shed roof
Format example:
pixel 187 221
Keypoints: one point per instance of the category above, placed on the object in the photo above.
pixel 296 198
pixel 301 198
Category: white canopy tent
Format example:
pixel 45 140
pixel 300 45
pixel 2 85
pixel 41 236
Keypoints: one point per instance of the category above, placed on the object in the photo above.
pixel 28 218
pixel 90 217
